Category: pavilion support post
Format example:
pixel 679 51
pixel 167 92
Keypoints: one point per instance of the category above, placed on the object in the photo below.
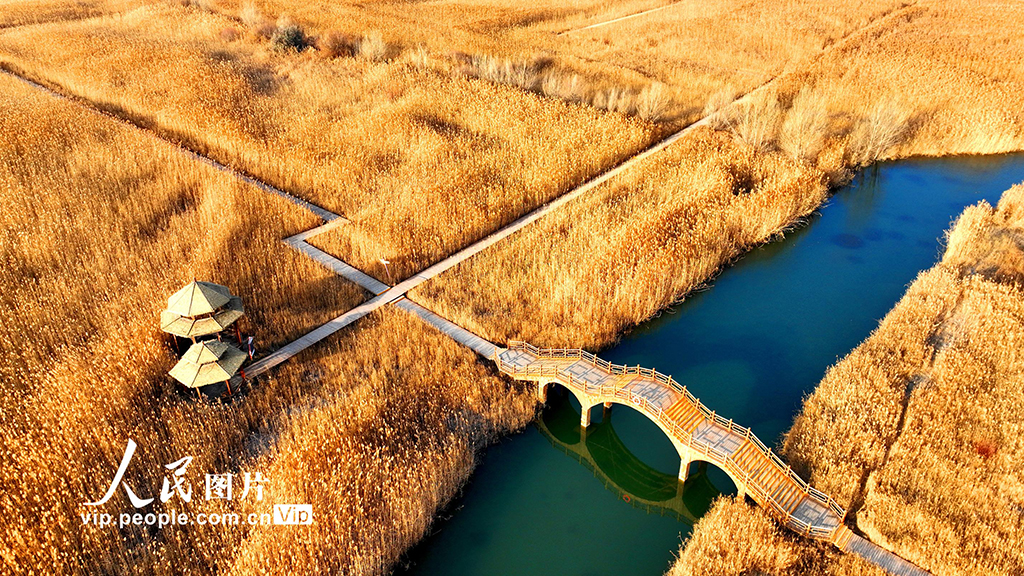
pixel 228 382
pixel 238 334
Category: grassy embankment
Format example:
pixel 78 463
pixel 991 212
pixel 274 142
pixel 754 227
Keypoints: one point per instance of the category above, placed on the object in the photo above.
pixel 917 430
pixel 102 224
pixel 637 244
pixel 421 159
pixel 734 538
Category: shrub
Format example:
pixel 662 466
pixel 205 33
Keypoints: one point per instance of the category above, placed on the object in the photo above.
pixel 265 31
pixel 288 36
pixel 756 122
pixel 883 127
pixel 373 48
pixel 985 448
pixel 334 44
pixel 803 131
pixel 716 102
pixel 229 34
pixel 419 57
pixel 557 84
pixel 615 99
pixel 653 102
pixel 250 15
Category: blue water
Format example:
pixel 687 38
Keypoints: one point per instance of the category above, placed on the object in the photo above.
pixel 750 347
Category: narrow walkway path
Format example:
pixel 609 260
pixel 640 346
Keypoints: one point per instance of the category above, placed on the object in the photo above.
pixel 882 558
pixel 619 19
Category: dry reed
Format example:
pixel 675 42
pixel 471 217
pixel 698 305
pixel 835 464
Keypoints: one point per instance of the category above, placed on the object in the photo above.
pixel 102 224
pixel 382 143
pixel 915 429
pixel 736 539
pixel 614 258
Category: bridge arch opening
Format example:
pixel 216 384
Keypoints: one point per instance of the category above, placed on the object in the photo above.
pixel 636 433
pixel 723 482
pixel 634 481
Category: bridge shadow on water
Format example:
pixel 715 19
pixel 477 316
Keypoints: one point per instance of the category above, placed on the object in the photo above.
pixel 601 450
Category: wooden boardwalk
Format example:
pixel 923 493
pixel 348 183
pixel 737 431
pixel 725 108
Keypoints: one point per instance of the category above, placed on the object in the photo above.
pixel 696 431
pixel 880 557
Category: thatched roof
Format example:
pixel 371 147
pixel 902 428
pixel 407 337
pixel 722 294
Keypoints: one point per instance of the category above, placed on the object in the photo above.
pixel 208 363
pixel 198 298
pixel 190 327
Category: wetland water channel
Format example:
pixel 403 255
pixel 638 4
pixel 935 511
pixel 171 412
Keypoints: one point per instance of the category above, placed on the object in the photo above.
pixel 550 501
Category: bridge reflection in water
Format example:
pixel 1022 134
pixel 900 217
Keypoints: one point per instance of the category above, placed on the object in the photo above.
pixel 600 449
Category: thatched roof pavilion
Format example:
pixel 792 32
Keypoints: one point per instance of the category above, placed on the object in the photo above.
pixel 208 362
pixel 200 309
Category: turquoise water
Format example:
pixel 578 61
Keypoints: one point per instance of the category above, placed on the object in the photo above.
pixel 750 347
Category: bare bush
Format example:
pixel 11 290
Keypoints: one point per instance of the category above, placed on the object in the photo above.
pixel 558 84
pixel 288 37
pixel 504 71
pixel 883 127
pixel 803 131
pixel 756 121
pixel 716 102
pixel 229 34
pixel 336 44
pixel 419 57
pixel 373 48
pixel 250 15
pixel 653 102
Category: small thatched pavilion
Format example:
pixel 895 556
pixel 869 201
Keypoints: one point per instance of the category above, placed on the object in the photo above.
pixel 207 363
pixel 201 309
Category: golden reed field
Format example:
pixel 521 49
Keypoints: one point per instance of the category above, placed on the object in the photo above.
pixel 422 161
pixel 755 175
pixel 917 430
pixel 429 125
pixel 102 249
pixel 102 224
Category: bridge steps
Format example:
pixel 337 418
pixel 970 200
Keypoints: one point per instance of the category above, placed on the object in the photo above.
pixel 685 414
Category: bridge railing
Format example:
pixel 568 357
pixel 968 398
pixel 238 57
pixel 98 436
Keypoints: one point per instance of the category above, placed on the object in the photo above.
pixel 673 427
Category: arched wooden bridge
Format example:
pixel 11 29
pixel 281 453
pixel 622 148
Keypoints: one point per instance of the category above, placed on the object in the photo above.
pixel 698 433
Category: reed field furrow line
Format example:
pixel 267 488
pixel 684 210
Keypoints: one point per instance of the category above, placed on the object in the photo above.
pixel 619 19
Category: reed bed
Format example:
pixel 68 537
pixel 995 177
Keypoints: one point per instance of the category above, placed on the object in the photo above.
pixel 735 539
pixel 421 161
pixel 608 261
pixel 965 93
pixel 393 434
pixel 27 12
pixel 100 225
pixel 376 429
pixel 916 429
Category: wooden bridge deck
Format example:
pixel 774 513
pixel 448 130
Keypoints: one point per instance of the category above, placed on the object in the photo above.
pixel 699 433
